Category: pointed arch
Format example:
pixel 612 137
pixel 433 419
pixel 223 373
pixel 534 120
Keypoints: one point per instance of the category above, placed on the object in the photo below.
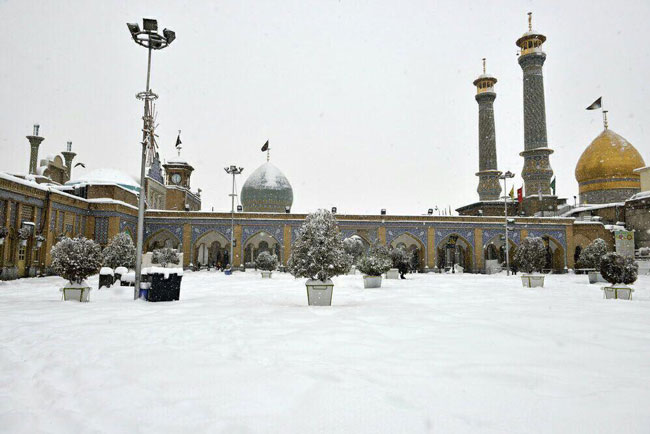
pixel 161 238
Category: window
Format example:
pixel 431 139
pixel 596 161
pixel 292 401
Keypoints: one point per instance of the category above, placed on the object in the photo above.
pixel 21 253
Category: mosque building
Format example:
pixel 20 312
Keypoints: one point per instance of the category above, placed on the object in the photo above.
pixel 613 182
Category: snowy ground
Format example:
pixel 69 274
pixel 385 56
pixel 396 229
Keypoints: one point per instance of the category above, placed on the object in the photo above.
pixel 435 353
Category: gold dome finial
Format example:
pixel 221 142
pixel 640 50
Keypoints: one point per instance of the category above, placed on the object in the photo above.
pixel 605 124
pixel 530 21
pixel 484 65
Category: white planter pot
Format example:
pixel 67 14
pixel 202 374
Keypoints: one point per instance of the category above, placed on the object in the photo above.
pixel 618 292
pixel 319 293
pixel 266 274
pixel 393 273
pixel 76 294
pixel 596 277
pixel 353 270
pixel 372 281
pixel 532 280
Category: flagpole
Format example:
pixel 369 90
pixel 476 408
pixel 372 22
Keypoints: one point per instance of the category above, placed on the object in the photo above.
pixel 505 177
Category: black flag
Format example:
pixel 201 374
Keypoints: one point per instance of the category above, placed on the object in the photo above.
pixel 266 146
pixel 178 140
pixel 596 104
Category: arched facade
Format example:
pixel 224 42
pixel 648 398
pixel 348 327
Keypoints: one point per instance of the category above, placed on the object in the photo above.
pixel 454 249
pixel 495 249
pixel 259 242
pixel 413 246
pixel 211 249
pixel 161 238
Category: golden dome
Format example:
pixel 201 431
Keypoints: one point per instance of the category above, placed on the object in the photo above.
pixel 608 163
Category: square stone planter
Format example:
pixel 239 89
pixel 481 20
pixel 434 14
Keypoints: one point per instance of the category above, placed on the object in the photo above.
pixel 393 273
pixel 372 281
pixel 618 292
pixel 319 293
pixel 532 280
pixel 76 293
pixel 266 274
pixel 596 277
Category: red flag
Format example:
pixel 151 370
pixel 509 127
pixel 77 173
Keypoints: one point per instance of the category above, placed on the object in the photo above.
pixel 520 194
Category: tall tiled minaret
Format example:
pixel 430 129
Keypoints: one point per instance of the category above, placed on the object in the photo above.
pixel 488 175
pixel 537 170
pixel 68 155
pixel 34 142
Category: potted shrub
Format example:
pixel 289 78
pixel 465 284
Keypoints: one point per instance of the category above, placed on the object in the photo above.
pixel 165 256
pixel 267 263
pixel 23 234
pixel 105 277
pixel 620 272
pixel 373 265
pixel 319 255
pixel 120 252
pixel 591 257
pixel 3 234
pixel 530 257
pixel 354 247
pixel 75 259
pixel 400 262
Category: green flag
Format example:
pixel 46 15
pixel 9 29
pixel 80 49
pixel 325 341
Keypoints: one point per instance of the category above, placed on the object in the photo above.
pixel 553 185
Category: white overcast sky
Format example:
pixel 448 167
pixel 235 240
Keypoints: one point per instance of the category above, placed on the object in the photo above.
pixel 367 104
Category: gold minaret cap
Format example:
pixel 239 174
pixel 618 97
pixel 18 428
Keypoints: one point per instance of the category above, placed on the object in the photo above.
pixel 605 124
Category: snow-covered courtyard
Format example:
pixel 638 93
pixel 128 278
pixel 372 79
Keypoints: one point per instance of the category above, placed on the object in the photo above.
pixel 238 354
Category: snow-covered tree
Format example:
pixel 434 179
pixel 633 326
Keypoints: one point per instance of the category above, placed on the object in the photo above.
pixel 120 252
pixel 414 261
pixel 399 257
pixel 591 256
pixel 75 259
pixel 165 256
pixel 376 262
pixel 616 269
pixel 530 255
pixel 266 261
pixel 318 253
pixel 354 247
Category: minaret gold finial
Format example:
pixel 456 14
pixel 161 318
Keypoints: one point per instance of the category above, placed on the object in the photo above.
pixel 484 65
pixel 605 124
pixel 530 21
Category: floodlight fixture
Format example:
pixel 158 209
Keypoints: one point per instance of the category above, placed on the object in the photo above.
pixel 333 210
pixel 430 211
pixel 150 25
pixel 383 211
pixel 287 209
pixel 134 28
pixel 170 35
pixel 240 208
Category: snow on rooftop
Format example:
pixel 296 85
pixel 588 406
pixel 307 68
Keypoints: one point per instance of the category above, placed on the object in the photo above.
pixel 106 176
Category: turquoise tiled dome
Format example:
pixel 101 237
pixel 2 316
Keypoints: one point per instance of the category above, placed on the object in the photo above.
pixel 266 190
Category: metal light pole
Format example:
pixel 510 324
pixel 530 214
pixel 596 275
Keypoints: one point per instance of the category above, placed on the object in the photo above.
pixel 233 170
pixel 149 38
pixel 505 177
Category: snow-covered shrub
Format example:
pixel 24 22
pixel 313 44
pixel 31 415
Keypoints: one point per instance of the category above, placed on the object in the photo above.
pixel 318 252
pixel 120 252
pixel 75 259
pixel 616 269
pixel 414 261
pixel 643 251
pixel 530 255
pixel 376 262
pixel 399 257
pixel 165 256
pixel 591 256
pixel 266 261
pixel 3 232
pixel 24 233
pixel 354 247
